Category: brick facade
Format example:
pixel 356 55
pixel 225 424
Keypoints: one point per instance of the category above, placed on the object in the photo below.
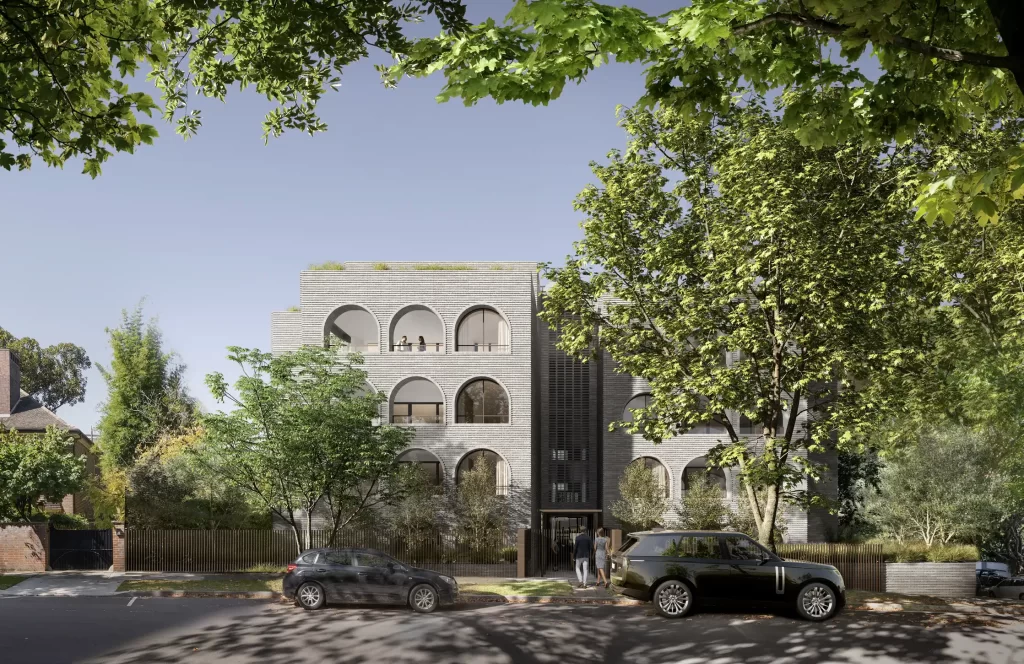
pixel 525 372
pixel 511 289
pixel 24 547
pixel 120 551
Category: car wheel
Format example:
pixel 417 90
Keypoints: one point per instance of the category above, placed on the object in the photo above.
pixel 310 596
pixel 816 601
pixel 423 599
pixel 673 599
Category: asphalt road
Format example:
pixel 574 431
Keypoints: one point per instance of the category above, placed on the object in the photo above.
pixel 43 630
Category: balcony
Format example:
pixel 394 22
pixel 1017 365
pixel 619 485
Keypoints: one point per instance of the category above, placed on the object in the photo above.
pixel 418 347
pixel 417 413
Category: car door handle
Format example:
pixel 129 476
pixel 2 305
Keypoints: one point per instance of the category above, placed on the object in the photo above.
pixel 321 570
pixel 361 573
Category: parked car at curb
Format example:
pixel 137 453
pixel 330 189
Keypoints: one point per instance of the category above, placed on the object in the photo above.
pixel 676 570
pixel 368 576
pixel 1012 588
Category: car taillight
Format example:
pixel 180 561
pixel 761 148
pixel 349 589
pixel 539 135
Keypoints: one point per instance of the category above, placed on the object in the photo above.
pixel 291 567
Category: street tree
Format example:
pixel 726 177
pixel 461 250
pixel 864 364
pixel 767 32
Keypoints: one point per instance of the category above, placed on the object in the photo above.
pixel 71 70
pixel 146 393
pixel 482 514
pixel 55 375
pixel 36 467
pixel 304 436
pixel 642 501
pixel 704 241
pixel 890 69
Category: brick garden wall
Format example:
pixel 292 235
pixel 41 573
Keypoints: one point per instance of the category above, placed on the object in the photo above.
pixel 936 579
pixel 24 547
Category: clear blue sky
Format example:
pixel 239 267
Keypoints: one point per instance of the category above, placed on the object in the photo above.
pixel 214 231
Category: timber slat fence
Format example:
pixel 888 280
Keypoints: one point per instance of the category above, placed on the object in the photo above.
pixel 240 550
pixel 862 565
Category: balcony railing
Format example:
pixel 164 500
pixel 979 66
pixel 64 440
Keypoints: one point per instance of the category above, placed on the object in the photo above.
pixel 481 348
pixel 481 419
pixel 354 348
pixel 417 413
pixel 427 347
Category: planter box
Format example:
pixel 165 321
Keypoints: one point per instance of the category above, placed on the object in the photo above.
pixel 936 579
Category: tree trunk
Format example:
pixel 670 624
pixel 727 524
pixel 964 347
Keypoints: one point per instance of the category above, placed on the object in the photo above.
pixel 1009 17
pixel 766 525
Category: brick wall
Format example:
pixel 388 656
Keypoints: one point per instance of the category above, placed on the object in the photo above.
pixel 936 579
pixel 119 549
pixel 24 547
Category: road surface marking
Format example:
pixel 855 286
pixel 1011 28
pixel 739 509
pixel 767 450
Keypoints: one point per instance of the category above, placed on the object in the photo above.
pixel 132 601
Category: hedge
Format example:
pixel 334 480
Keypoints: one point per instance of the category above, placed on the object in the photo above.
pixel 918 552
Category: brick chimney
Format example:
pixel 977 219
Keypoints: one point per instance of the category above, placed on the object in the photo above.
pixel 10 381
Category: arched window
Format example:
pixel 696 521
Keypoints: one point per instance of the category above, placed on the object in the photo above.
pixel 426 462
pixel 482 401
pixel 352 328
pixel 417 329
pixel 417 401
pixel 488 463
pixel 637 402
pixel 482 330
pixel 699 466
pixel 659 470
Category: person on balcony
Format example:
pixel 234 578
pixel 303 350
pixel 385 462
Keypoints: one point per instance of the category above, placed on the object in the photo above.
pixel 403 343
pixel 423 345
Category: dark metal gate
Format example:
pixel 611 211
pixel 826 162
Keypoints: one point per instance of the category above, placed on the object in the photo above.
pixel 556 548
pixel 81 549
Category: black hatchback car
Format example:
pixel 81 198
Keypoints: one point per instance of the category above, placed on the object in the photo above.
pixel 677 569
pixel 365 575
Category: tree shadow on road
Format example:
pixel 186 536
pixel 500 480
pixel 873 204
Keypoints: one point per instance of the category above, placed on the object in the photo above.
pixel 277 634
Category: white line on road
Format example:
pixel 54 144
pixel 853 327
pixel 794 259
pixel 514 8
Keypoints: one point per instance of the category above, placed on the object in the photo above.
pixel 132 601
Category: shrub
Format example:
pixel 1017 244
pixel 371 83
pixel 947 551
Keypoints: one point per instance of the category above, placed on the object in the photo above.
pixel 62 521
pixel 919 552
pixel 381 266
pixel 703 505
pixel 327 266
pixel 293 308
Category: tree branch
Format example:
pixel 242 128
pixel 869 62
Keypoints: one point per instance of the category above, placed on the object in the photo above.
pixel 839 30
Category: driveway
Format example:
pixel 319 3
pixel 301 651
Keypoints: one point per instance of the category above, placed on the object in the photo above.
pixel 66 584
pixel 120 630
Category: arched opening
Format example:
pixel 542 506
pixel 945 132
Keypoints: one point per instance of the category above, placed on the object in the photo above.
pixel 482 330
pixel 488 463
pixel 658 469
pixel 426 462
pixel 417 401
pixel 352 328
pixel 636 403
pixel 699 467
pixel 417 329
pixel 482 401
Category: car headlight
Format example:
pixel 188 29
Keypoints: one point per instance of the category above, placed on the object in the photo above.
pixel 449 580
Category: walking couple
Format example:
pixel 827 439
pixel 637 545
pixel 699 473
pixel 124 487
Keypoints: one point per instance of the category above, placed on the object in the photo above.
pixel 601 547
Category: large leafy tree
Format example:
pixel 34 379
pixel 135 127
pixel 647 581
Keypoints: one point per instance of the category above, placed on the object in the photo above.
pixel 69 69
pixel 34 467
pixel 55 374
pixel 303 436
pixel 146 394
pixel 940 62
pixel 707 240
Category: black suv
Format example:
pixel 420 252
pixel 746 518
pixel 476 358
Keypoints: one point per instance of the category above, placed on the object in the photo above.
pixel 676 569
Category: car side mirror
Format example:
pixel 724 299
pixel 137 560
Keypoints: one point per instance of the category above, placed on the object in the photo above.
pixel 764 558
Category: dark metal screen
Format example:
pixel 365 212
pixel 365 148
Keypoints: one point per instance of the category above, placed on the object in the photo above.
pixel 81 549
pixel 570 448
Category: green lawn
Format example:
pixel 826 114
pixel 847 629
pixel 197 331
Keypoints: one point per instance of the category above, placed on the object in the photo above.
pixel 236 585
pixel 8 580
pixel 530 588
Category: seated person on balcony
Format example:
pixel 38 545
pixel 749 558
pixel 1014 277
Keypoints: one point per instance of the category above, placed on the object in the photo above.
pixel 423 345
pixel 403 343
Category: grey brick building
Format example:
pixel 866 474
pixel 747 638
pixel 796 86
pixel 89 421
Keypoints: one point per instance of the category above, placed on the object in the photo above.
pixel 460 352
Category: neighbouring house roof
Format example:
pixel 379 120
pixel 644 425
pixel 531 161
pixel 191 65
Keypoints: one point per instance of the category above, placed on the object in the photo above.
pixel 29 415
